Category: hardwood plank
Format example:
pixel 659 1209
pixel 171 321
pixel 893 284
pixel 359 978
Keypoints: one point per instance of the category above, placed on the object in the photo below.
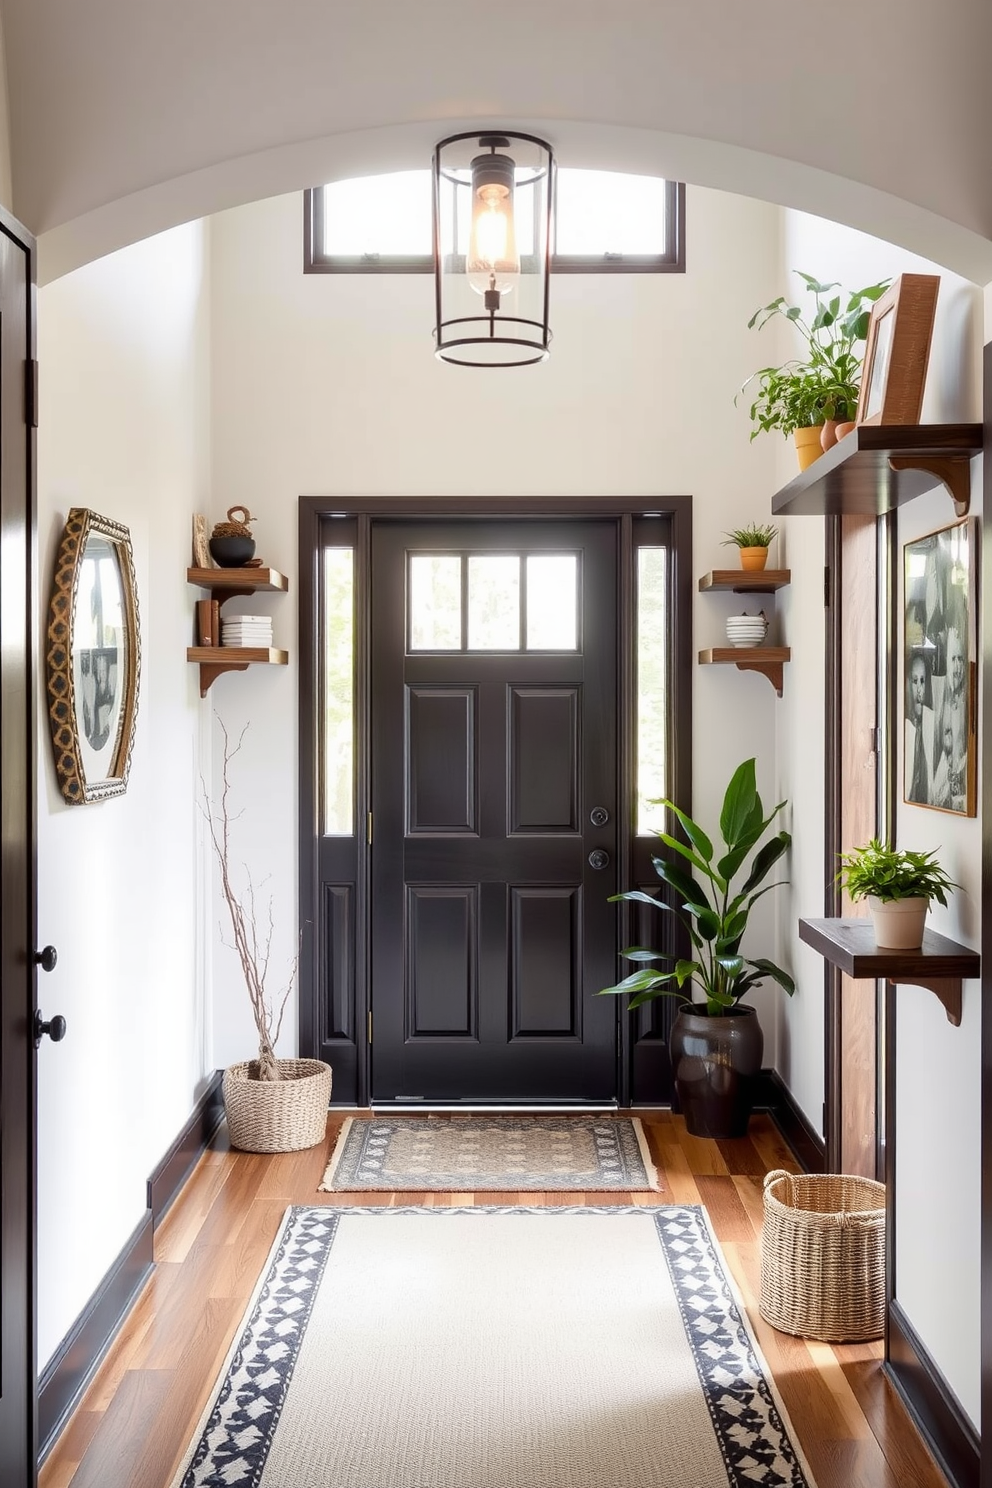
pixel 148 1395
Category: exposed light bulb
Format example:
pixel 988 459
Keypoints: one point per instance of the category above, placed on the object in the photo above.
pixel 492 262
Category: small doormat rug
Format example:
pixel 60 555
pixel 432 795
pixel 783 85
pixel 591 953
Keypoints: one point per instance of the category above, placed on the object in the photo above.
pixel 494 1348
pixel 491 1153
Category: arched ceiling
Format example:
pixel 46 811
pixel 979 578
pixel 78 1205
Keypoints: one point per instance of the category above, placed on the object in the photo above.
pixel 128 116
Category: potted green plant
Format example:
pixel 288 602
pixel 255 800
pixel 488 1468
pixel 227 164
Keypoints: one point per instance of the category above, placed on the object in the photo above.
pixel 716 1043
pixel 753 542
pixel 898 885
pixel 822 388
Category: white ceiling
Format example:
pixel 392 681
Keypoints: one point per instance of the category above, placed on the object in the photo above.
pixel 128 116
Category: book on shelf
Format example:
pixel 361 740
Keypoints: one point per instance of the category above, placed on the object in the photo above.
pixel 206 635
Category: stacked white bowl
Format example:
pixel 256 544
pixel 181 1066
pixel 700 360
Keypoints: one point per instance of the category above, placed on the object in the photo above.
pixel 746 630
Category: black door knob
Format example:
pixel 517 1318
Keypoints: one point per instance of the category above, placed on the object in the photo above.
pixel 599 858
pixel 599 816
pixel 47 959
pixel 54 1027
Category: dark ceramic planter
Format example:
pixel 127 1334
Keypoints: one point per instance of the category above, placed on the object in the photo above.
pixel 232 552
pixel 716 1061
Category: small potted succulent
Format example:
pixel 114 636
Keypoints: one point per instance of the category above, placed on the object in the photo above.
pixel 753 542
pixel 898 885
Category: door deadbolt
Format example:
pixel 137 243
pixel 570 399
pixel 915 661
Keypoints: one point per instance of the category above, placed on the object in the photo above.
pixel 599 816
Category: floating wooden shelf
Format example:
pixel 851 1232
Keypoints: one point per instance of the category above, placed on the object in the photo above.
pixel 215 660
pixel 743 581
pixel 765 659
pixel 940 965
pixel 224 584
pixel 877 467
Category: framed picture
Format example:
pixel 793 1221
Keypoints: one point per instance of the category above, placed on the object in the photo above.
pixel 897 350
pixel 93 658
pixel 940 669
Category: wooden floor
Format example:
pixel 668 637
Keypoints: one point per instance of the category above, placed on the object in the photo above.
pixel 144 1403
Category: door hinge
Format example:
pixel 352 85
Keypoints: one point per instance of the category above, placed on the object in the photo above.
pixel 368 829
pixel 31 393
pixel 874 735
pixel 370 1025
pixel 826 589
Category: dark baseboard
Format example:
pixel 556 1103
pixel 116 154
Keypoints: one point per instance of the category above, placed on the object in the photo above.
pixel 775 1097
pixel 72 1366
pixel 75 1361
pixel 936 1413
pixel 182 1157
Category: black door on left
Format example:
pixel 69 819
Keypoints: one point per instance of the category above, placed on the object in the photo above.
pixel 18 1413
pixel 494 799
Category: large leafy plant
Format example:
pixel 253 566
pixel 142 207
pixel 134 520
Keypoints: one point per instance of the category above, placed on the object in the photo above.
pixel 824 384
pixel 713 911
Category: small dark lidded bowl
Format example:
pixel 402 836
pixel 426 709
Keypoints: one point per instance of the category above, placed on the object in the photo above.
pixel 232 544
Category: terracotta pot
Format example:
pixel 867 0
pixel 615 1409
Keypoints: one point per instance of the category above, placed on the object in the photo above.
pixel 828 434
pixel 716 1062
pixel 807 442
pixel 899 923
pixel 844 429
pixel 753 558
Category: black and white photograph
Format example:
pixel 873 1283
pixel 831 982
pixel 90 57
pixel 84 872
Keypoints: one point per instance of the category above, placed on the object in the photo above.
pixel 940 728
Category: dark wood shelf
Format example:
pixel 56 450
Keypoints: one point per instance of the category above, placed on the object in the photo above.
pixel 940 964
pixel 877 467
pixel 764 659
pixel 745 581
pixel 224 584
pixel 215 660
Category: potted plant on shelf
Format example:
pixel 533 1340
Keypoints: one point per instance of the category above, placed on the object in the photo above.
pixel 898 885
pixel 272 1104
pixel 753 542
pixel 819 391
pixel 716 1043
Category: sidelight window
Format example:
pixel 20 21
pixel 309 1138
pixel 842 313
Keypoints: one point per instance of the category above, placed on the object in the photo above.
pixel 652 688
pixel 338 654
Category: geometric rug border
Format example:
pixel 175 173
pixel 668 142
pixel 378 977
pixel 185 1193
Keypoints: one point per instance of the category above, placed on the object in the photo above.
pixel 751 1424
pixel 626 1165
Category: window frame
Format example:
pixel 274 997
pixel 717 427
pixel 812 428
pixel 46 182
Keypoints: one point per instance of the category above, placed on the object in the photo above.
pixel 671 260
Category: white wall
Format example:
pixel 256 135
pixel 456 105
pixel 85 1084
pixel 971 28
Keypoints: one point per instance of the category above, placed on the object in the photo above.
pixel 6 195
pixel 124 430
pixel 327 384
pixel 937 1066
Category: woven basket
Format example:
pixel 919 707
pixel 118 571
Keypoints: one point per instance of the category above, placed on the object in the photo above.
pixel 823 1256
pixel 277 1115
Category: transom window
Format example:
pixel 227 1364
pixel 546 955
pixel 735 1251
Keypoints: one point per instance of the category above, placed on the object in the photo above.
pixel 604 221
pixel 492 602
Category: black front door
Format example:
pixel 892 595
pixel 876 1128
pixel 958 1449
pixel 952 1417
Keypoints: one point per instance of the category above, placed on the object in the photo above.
pixel 17 1092
pixel 494 809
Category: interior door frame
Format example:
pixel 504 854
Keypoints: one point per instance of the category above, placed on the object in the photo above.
pixel 362 511
pixel 18 899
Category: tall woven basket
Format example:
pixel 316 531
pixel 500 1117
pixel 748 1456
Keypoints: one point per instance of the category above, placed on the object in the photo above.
pixel 277 1115
pixel 823 1256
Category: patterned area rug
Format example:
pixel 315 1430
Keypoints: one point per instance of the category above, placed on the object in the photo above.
pixel 495 1348
pixel 592 1154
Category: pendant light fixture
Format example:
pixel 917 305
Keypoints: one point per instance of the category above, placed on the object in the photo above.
pixel 493 208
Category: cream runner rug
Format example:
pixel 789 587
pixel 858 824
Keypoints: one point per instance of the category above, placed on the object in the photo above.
pixel 494 1348
pixel 446 1153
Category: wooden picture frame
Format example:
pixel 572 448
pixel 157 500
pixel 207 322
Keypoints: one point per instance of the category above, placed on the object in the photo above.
pixel 897 350
pixel 93 658
pixel 940 730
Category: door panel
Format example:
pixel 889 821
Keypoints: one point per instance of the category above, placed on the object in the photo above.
pixel 491 929
pixel 18 1411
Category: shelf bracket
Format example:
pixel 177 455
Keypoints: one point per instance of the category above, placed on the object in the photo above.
pixel 953 471
pixel 211 670
pixel 946 989
pixel 770 669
